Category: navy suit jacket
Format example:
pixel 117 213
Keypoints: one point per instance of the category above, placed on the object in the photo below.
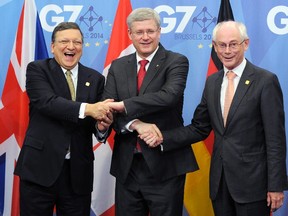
pixel 159 101
pixel 54 125
pixel 251 149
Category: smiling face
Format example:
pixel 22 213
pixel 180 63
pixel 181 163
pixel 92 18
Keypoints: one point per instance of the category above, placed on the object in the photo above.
pixel 145 36
pixel 231 56
pixel 67 48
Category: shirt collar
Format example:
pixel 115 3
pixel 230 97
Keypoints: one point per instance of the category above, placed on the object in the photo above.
pixel 238 70
pixel 149 58
pixel 74 70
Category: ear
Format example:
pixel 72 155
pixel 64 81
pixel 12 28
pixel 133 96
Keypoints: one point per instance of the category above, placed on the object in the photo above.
pixel 130 34
pixel 159 33
pixel 246 44
pixel 52 47
pixel 214 46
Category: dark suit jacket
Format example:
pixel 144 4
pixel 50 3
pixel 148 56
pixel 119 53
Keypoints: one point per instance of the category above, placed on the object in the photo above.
pixel 160 101
pixel 54 125
pixel 252 148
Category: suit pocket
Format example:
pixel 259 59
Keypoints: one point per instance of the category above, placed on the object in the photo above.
pixel 34 143
pixel 253 156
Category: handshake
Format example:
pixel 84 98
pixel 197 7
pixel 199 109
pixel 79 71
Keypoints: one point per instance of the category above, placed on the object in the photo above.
pixel 103 113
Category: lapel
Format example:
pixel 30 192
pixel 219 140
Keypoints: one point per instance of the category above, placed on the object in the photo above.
pixel 217 95
pixel 154 67
pixel 130 69
pixel 83 88
pixel 59 79
pixel 84 84
pixel 245 82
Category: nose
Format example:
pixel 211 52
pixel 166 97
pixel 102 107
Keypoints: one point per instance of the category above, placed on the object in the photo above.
pixel 70 44
pixel 145 35
pixel 227 48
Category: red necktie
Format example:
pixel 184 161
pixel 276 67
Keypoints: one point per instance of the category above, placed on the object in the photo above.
pixel 229 94
pixel 141 75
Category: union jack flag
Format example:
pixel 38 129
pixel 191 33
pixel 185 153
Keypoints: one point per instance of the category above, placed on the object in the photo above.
pixel 29 45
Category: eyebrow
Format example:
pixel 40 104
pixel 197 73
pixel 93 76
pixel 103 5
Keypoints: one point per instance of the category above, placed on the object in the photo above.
pixel 233 41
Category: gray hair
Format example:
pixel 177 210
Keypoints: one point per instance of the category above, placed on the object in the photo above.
pixel 240 26
pixel 141 14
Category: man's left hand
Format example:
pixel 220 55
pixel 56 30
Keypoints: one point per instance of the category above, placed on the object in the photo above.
pixel 275 200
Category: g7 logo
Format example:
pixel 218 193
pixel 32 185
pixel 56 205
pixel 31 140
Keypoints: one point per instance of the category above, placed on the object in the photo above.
pixel 271 17
pixel 75 9
pixel 172 21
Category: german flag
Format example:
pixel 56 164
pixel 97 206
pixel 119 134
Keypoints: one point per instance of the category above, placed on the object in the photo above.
pixel 196 196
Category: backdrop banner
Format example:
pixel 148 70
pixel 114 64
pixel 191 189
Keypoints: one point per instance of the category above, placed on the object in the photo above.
pixel 186 28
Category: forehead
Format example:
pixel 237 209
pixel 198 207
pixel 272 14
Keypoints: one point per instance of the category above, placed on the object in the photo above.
pixel 228 33
pixel 68 33
pixel 144 24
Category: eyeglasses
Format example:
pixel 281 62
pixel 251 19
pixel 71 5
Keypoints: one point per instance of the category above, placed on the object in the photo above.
pixel 149 32
pixel 232 46
pixel 66 42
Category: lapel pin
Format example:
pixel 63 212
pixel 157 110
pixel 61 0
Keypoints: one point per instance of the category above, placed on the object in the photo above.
pixel 87 84
pixel 247 82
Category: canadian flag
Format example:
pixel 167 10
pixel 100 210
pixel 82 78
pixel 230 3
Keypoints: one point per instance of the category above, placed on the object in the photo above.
pixel 29 45
pixel 104 183
pixel 120 44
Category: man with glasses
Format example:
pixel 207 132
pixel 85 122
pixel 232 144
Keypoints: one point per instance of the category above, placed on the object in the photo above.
pixel 55 164
pixel 148 180
pixel 248 163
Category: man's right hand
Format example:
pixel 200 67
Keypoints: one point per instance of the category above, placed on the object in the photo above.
pixel 148 132
pixel 117 106
pixel 105 123
pixel 99 110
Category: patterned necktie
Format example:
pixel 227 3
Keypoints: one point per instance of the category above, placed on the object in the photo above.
pixel 141 73
pixel 229 94
pixel 70 84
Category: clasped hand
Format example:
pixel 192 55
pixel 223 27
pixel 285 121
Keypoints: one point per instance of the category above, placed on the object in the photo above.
pixel 101 112
pixel 148 132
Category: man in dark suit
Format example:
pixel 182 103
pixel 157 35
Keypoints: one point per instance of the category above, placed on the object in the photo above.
pixel 147 179
pixel 248 165
pixel 55 164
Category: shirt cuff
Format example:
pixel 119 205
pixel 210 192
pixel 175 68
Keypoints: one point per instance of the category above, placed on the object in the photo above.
pixel 101 136
pixel 82 110
pixel 127 126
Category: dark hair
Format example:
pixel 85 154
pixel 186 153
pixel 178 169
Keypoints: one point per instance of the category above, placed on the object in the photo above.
pixel 64 26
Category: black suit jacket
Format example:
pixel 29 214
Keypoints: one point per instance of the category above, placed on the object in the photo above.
pixel 54 125
pixel 252 148
pixel 160 101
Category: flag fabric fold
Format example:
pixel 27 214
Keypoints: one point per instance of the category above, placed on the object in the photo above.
pixel 225 14
pixel 29 45
pixel 119 44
